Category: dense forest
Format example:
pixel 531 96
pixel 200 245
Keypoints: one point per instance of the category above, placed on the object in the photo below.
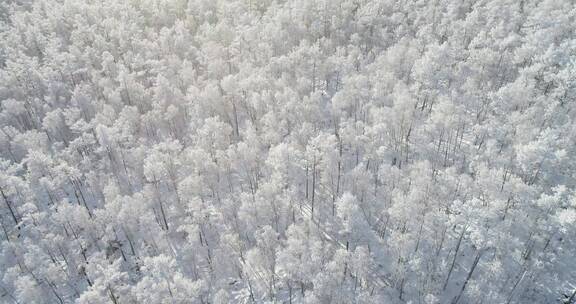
pixel 287 151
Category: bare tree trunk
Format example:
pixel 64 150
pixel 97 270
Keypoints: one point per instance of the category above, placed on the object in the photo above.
pixel 52 287
pixel 454 259
pixel 337 186
pixel 516 285
pixel 112 296
pixel 289 293
pixel 441 242
pixel 236 127
pixel 163 214
pixel 402 288
pixel 476 260
pixel 306 194
pixel 419 235
pixel 313 186
pixel 9 207
pixel 4 230
pixel 250 290
pixel 161 205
